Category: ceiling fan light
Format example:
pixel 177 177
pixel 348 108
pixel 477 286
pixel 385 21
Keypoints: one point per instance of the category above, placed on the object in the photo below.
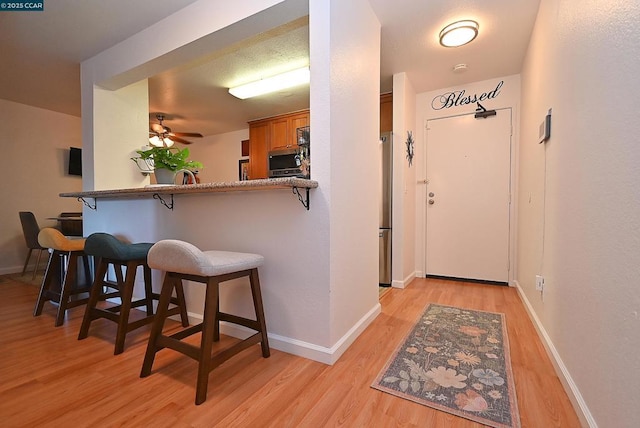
pixel 160 141
pixel 155 141
pixel 459 33
pixel 272 84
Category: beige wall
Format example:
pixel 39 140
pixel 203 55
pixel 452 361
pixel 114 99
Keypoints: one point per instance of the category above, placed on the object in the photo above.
pixel 579 203
pixel 219 154
pixel 35 147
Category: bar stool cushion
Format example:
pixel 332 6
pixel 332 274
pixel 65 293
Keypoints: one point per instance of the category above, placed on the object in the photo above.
pixel 108 246
pixel 182 257
pixel 53 238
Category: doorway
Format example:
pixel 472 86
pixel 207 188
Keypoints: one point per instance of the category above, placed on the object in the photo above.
pixel 468 170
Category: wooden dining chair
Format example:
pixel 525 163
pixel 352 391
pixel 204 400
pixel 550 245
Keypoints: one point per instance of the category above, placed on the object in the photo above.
pixel 70 227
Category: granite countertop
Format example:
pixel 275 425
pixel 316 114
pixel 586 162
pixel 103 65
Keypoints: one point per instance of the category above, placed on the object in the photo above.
pixel 232 186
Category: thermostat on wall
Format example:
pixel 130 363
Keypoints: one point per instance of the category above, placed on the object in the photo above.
pixel 545 129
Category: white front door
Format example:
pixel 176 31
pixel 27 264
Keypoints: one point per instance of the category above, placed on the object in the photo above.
pixel 468 196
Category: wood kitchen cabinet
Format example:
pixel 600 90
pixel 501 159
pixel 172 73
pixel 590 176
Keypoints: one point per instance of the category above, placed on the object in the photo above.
pixel 273 133
pixel 283 130
pixel 258 150
pixel 279 137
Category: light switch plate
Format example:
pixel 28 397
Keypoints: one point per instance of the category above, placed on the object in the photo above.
pixel 544 132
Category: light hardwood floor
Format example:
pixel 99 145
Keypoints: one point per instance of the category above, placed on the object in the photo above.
pixel 50 379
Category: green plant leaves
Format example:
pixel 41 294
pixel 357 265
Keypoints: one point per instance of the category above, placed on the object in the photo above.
pixel 171 158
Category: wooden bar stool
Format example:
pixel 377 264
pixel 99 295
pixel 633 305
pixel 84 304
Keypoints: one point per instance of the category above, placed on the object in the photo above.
pixel 109 251
pixel 62 272
pixel 182 260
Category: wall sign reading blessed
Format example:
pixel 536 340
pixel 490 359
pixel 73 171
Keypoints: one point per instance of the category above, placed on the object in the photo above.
pixel 459 98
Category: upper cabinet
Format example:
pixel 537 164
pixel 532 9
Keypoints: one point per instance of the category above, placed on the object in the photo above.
pixel 386 113
pixel 283 130
pixel 258 149
pixel 273 133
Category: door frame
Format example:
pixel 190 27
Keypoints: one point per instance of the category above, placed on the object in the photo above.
pixel 422 193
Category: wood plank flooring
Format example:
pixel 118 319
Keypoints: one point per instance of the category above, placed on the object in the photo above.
pixel 50 379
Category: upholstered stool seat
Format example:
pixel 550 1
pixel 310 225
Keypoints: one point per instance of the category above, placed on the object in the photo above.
pixel 110 251
pixel 110 247
pixel 63 264
pixel 182 260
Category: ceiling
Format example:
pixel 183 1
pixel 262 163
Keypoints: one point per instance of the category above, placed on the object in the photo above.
pixel 42 52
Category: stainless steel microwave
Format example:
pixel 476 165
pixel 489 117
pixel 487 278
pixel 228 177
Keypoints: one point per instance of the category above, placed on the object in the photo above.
pixel 284 163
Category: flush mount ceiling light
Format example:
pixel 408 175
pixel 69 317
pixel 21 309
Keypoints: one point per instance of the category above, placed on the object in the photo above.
pixel 460 68
pixel 459 33
pixel 272 84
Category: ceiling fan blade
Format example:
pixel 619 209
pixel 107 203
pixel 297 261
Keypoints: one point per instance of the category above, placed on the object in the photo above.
pixel 186 134
pixel 156 127
pixel 179 140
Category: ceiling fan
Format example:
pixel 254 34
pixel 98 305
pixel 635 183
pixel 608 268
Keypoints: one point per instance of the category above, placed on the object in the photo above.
pixel 162 136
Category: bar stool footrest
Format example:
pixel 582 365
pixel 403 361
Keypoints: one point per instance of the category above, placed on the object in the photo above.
pixel 223 356
pixel 246 322
pixel 187 349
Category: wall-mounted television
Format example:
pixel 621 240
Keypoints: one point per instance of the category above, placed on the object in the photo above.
pixel 75 161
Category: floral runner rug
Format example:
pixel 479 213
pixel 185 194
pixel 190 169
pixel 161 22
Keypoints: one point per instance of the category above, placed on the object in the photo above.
pixel 456 360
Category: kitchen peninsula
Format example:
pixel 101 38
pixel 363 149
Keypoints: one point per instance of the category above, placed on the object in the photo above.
pixel 262 216
pixel 158 191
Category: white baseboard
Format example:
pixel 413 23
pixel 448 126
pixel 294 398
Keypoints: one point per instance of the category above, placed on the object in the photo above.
pixel 300 348
pixel 16 269
pixel 404 282
pixel 579 405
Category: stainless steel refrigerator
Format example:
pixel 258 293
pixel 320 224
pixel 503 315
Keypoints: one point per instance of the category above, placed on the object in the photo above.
pixel 385 208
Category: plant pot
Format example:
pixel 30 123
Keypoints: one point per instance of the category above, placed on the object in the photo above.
pixel 165 176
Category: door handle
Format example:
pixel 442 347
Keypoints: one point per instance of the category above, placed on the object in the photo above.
pixel 431 202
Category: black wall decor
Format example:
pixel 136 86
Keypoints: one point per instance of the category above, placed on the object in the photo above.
pixel 409 143
pixel 460 98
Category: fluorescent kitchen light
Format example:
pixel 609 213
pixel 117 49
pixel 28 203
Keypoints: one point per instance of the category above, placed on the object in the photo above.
pixel 272 84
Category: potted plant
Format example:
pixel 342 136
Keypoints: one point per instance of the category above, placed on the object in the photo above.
pixel 166 162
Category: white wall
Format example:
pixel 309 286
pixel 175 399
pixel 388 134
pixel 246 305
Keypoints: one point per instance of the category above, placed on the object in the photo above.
pixel 504 92
pixel 35 146
pixel 579 222
pixel 320 275
pixel 345 48
pixel 404 183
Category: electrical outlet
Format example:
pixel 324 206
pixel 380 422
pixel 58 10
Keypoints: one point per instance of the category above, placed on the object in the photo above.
pixel 539 282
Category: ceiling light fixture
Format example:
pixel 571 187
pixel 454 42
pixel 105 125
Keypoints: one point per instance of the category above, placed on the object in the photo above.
pixel 459 68
pixel 160 141
pixel 459 33
pixel 272 84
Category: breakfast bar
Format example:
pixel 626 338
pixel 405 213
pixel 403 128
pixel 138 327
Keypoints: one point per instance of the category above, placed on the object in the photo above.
pixel 270 217
pixel 162 192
